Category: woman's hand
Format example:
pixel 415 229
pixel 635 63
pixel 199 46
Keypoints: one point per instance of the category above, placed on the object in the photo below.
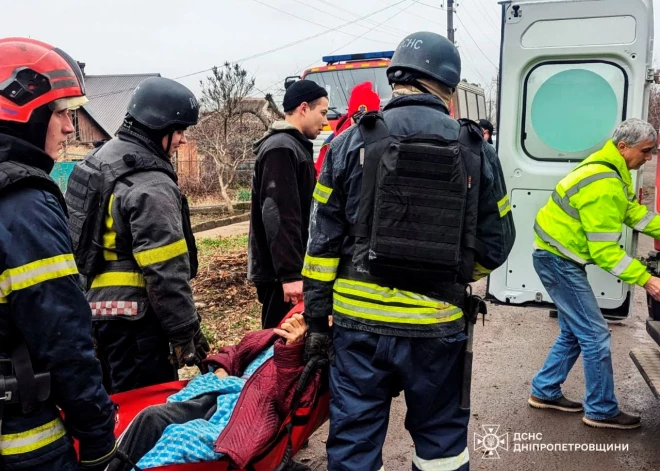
pixel 293 330
pixel 220 373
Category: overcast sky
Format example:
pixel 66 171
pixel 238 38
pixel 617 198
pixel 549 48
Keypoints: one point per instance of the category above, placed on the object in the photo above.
pixel 177 38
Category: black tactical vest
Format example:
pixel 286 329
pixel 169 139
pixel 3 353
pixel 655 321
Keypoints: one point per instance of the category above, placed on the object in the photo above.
pixel 417 219
pixel 90 187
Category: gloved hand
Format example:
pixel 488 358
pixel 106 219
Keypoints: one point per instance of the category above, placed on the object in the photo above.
pixel 185 348
pixel 318 344
pixel 202 347
pixel 92 463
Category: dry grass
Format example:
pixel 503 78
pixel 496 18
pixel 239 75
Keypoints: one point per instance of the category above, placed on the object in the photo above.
pixel 225 299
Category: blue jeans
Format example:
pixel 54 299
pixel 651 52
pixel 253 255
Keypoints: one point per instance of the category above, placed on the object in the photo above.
pixel 582 330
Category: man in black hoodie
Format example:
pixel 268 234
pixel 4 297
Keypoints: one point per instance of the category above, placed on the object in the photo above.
pixel 282 187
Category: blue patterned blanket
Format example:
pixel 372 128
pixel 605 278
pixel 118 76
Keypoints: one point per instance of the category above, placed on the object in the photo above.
pixel 193 441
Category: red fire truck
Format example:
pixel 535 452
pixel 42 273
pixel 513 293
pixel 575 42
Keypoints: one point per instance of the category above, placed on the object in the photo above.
pixel 343 72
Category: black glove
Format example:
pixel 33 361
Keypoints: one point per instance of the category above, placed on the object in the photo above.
pixel 185 350
pixel 318 344
pixel 202 347
pixel 92 463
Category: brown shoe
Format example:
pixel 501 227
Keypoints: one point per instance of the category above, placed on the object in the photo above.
pixel 562 404
pixel 621 421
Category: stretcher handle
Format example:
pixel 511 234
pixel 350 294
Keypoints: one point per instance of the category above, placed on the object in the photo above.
pixel 314 363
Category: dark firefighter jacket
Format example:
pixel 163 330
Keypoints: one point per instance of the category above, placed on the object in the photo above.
pixel 147 264
pixel 42 304
pixel 282 186
pixel 390 310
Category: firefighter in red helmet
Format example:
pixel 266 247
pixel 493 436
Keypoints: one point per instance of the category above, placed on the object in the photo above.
pixel 47 361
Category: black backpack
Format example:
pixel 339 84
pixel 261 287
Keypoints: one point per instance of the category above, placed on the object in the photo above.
pixel 90 187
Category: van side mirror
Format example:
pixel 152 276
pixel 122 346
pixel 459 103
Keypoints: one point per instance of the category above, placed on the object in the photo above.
pixel 290 81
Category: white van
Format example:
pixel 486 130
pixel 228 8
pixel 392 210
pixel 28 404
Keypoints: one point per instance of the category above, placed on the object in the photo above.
pixel 571 71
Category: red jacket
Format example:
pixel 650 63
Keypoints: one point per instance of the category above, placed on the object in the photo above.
pixel 266 398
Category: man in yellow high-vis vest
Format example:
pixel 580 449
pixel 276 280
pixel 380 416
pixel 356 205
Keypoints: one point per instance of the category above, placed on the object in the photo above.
pixel 582 224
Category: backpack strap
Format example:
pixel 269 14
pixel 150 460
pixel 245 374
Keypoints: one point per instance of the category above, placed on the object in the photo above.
pixel 377 138
pixel 141 162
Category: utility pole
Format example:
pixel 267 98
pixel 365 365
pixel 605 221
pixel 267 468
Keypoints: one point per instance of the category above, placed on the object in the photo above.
pixel 450 20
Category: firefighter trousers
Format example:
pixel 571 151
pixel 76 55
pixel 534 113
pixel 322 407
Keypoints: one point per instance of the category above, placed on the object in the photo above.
pixel 133 353
pixel 369 370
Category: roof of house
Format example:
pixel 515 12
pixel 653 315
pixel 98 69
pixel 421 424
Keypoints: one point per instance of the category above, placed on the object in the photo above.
pixel 108 97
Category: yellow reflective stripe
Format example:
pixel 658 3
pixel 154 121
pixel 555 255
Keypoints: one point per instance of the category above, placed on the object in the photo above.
pixel 161 254
pixel 480 272
pixel 110 236
pixel 25 442
pixel 3 300
pixel 504 206
pixel 119 278
pixel 645 221
pixel 451 463
pixel 622 266
pixel 394 314
pixel 14 279
pixel 378 293
pixel 322 193
pixel 320 269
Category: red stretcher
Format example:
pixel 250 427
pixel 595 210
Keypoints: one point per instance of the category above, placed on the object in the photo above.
pixel 301 423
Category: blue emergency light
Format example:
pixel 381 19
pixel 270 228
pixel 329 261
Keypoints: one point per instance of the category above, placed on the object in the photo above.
pixel 358 57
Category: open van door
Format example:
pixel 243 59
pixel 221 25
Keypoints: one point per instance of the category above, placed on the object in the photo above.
pixel 570 72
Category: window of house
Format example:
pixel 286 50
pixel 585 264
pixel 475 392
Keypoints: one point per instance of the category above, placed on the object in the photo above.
pixel 572 108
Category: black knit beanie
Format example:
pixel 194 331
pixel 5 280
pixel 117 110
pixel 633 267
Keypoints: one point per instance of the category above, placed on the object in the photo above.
pixel 300 92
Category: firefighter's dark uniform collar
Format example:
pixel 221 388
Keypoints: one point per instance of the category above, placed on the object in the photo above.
pixel 18 150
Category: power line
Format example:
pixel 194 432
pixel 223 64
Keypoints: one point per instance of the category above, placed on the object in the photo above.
pixel 485 16
pixel 472 65
pixel 418 16
pixel 390 32
pixel 430 6
pixel 278 81
pixel 285 46
pixel 353 40
pixel 399 31
pixel 305 19
pixel 475 42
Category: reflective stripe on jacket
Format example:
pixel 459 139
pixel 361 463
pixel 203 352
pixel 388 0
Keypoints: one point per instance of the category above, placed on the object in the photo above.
pixel 41 304
pixel 391 310
pixel 584 219
pixel 146 253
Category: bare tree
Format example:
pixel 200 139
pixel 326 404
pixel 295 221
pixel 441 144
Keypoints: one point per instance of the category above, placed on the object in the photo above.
pixel 492 96
pixel 230 122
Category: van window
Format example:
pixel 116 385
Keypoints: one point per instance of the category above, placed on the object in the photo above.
pixel 572 108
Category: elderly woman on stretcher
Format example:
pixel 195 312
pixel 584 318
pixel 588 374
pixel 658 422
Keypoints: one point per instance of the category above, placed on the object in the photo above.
pixel 233 411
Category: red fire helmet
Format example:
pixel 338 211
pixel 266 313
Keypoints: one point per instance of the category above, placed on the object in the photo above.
pixel 33 74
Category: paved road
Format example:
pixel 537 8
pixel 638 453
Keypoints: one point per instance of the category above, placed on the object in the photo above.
pixel 240 228
pixel 508 352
